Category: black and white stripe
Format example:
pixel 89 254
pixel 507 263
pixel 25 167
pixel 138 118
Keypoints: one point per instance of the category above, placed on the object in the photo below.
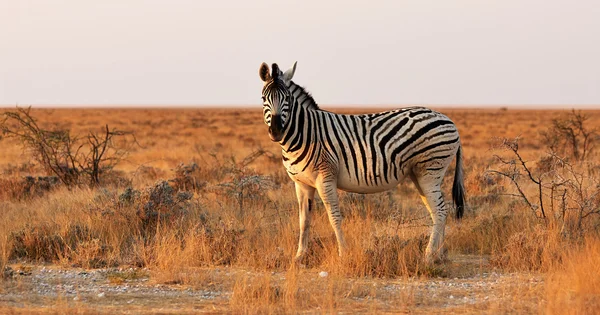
pixel 367 153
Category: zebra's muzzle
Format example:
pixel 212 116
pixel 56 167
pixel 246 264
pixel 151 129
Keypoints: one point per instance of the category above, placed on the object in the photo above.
pixel 276 128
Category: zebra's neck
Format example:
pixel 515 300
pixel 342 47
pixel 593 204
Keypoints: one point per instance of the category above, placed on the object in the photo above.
pixel 302 97
pixel 300 117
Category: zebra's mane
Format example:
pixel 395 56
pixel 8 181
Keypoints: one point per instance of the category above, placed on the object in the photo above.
pixel 305 99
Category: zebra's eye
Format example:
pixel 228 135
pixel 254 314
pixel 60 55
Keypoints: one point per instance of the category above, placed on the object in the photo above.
pixel 264 99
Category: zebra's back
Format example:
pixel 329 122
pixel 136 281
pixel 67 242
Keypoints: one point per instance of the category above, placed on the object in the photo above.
pixel 376 151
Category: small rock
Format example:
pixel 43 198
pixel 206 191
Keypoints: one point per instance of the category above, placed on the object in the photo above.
pixel 101 295
pixel 8 272
pixel 323 274
pixel 76 298
pixel 451 297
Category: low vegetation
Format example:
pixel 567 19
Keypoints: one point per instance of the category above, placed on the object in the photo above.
pixel 205 189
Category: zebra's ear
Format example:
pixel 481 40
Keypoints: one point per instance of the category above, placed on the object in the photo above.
pixel 264 72
pixel 289 74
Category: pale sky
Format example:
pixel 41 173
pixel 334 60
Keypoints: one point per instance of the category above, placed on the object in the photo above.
pixel 148 52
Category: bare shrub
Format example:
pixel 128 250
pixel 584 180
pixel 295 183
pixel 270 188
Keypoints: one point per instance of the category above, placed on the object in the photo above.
pixel 564 194
pixel 67 156
pixel 571 136
pixel 561 195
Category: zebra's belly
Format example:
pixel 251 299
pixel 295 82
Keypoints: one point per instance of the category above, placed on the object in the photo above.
pixel 347 183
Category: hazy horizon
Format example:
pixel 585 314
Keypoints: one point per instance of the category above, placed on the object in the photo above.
pixel 334 107
pixel 383 53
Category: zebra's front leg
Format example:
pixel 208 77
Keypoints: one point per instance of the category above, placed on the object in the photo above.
pixel 306 197
pixel 328 193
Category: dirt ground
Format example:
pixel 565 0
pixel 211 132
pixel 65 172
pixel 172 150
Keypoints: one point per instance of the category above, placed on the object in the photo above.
pixel 471 286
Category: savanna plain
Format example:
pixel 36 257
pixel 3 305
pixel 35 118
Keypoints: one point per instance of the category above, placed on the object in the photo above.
pixel 176 211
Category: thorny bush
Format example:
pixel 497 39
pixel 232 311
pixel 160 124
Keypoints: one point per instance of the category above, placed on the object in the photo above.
pixel 69 157
pixel 558 192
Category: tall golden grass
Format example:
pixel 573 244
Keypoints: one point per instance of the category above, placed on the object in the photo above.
pixel 573 285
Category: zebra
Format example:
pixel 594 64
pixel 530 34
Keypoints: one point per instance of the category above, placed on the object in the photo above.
pixel 324 151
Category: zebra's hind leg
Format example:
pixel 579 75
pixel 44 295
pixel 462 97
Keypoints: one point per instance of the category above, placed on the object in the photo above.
pixel 328 193
pixel 430 190
pixel 306 197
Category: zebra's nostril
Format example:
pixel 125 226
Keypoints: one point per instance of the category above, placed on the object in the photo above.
pixel 275 134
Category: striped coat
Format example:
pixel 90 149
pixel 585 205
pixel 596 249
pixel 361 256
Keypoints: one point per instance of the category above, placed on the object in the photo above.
pixel 324 151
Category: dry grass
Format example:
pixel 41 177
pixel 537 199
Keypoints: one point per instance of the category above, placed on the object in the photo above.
pixel 208 191
pixel 573 286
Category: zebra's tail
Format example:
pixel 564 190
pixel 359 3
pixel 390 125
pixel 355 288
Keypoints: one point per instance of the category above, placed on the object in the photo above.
pixel 458 188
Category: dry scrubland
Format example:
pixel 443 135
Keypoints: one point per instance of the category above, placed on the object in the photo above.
pixel 201 216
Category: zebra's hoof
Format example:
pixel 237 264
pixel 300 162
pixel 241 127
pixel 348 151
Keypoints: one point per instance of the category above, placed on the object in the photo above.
pixel 299 265
pixel 438 258
pixel 300 262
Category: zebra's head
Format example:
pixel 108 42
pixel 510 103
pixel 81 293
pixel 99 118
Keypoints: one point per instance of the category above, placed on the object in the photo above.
pixel 276 97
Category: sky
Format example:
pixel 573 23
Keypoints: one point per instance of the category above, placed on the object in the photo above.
pixel 149 52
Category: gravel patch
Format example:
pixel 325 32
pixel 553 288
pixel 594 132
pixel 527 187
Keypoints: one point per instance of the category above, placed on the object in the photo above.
pixel 132 290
